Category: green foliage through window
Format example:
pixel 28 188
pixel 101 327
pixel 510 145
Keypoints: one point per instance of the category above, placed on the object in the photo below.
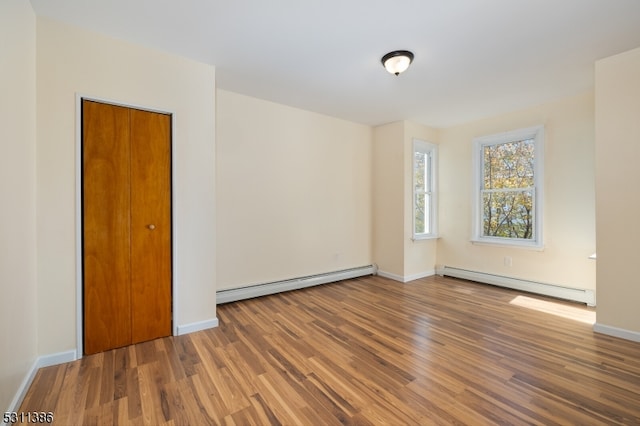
pixel 424 203
pixel 508 189
pixel 422 193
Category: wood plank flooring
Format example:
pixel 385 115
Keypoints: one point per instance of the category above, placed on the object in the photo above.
pixel 366 351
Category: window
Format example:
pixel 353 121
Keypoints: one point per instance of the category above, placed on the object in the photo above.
pixel 425 157
pixel 508 188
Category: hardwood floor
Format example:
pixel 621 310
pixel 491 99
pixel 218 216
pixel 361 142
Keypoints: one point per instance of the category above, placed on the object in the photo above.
pixel 363 351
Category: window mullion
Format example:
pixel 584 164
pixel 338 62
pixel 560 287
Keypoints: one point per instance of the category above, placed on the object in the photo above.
pixel 505 212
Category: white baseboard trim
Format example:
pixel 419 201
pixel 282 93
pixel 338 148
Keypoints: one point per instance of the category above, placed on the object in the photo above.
pixel 390 275
pixel 617 332
pixel 58 358
pixel 420 275
pixel 40 362
pixel 232 295
pixel 197 326
pixel 406 278
pixel 574 294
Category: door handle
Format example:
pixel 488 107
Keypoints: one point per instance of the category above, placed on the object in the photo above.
pixel 151 227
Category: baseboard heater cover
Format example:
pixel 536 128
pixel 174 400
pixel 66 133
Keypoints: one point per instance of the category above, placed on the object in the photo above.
pixel 232 295
pixel 567 293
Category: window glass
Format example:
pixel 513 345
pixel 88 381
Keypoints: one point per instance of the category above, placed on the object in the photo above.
pixel 509 181
pixel 424 208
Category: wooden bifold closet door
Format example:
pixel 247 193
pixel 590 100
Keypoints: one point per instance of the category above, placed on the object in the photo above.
pixel 126 200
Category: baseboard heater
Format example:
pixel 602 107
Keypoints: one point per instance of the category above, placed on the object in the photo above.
pixel 232 295
pixel 567 293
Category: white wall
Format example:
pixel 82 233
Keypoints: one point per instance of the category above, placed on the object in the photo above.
pixel 18 315
pixel 293 192
pixel 72 61
pixel 618 198
pixel 569 204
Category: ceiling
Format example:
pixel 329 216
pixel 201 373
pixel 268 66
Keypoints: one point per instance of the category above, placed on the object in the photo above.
pixel 473 58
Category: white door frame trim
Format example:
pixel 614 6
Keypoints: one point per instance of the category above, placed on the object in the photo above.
pixel 78 167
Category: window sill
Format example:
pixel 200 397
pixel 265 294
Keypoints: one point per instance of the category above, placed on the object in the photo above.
pixel 509 244
pixel 424 238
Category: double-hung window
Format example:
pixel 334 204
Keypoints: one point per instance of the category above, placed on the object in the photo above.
pixel 425 158
pixel 508 188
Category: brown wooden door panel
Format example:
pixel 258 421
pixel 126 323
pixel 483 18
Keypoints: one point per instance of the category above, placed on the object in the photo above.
pixel 106 227
pixel 150 225
pixel 126 226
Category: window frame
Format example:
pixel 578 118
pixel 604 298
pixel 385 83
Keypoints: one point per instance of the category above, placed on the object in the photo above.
pixel 431 192
pixel 536 133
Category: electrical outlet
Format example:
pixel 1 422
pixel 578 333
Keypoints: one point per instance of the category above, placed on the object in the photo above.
pixel 508 261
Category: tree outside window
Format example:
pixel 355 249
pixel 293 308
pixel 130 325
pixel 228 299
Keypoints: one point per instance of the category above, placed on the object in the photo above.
pixel 424 196
pixel 509 186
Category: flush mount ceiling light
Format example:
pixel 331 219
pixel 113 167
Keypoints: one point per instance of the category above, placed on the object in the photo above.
pixel 397 61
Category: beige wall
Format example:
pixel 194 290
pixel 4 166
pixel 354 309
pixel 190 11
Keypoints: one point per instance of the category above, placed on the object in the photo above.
pixel 18 315
pixel 419 255
pixel 618 199
pixel 396 255
pixel 569 202
pixel 320 193
pixel 293 192
pixel 71 61
pixel 388 198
